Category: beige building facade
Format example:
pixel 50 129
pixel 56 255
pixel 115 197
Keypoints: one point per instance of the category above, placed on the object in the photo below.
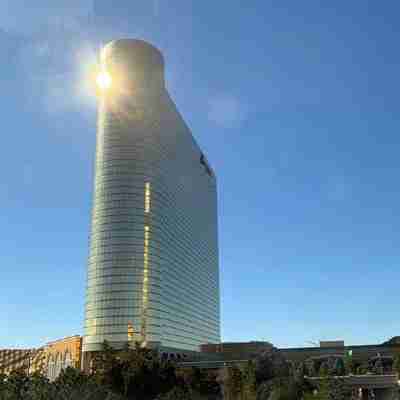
pixel 48 360
pixel 61 354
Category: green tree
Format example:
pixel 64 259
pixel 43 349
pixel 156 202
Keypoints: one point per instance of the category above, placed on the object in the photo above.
pixel 338 390
pixel 201 382
pixel 264 390
pixel 377 369
pixel 71 385
pixel 73 377
pixel 271 364
pixel 323 389
pixel 3 382
pixel 177 393
pixel 349 364
pixel 193 378
pixel 40 388
pixel 286 389
pixel 324 369
pixel 329 388
pixel 361 369
pixel 209 386
pixel 396 364
pixel 136 372
pixel 340 368
pixel 249 382
pixel 17 385
pixel 104 369
pixel 301 371
pixel 232 383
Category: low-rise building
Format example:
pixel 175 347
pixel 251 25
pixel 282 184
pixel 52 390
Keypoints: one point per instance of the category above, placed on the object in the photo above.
pixel 48 360
pixel 15 359
pixel 331 343
pixel 235 350
pixel 61 354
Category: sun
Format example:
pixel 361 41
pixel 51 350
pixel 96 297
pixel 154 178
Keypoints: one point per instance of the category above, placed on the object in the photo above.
pixel 104 80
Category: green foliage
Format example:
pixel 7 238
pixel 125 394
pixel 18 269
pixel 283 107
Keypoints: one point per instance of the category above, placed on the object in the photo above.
pixel 249 382
pixel 349 365
pixel 177 393
pixel 323 389
pixel 300 371
pixel 71 385
pixel 135 372
pixel 278 379
pixel 377 369
pixel 330 388
pixel 16 387
pixel 361 369
pixel 232 383
pixel 324 369
pixel 241 384
pixel 104 365
pixel 340 367
pixel 396 364
pixel 310 396
pixel 193 378
pixel 264 390
pixel 201 382
pixel 139 374
pixel 72 377
pixel 286 389
pixel 271 364
pixel 337 390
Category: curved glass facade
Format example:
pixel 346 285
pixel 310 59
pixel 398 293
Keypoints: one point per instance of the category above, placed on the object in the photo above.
pixel 153 265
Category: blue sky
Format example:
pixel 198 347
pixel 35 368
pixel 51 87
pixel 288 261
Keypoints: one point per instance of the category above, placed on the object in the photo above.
pixel 296 106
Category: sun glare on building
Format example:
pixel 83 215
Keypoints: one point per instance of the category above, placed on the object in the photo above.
pixel 103 80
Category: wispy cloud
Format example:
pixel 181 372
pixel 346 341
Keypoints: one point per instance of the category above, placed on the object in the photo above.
pixel 28 17
pixel 56 46
pixel 55 71
pixel 227 110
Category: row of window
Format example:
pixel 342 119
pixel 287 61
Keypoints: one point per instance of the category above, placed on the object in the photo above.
pixel 172 224
pixel 112 148
pixel 170 307
pixel 120 309
pixel 159 190
pixel 154 288
pixel 103 181
pixel 182 246
pixel 116 275
pixel 169 246
pixel 158 261
pixel 107 275
pixel 158 242
pixel 168 271
pixel 115 337
pixel 172 254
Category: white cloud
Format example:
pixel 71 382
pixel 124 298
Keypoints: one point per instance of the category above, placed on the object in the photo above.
pixel 226 110
pixel 53 59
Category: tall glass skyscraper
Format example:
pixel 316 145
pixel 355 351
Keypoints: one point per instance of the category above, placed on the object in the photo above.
pixel 153 273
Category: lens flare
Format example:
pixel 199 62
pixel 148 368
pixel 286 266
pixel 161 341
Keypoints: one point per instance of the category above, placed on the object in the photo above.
pixel 103 80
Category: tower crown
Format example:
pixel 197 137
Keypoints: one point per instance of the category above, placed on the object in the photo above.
pixel 134 65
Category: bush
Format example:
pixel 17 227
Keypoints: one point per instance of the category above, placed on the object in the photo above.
pixel 271 364
pixel 177 393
